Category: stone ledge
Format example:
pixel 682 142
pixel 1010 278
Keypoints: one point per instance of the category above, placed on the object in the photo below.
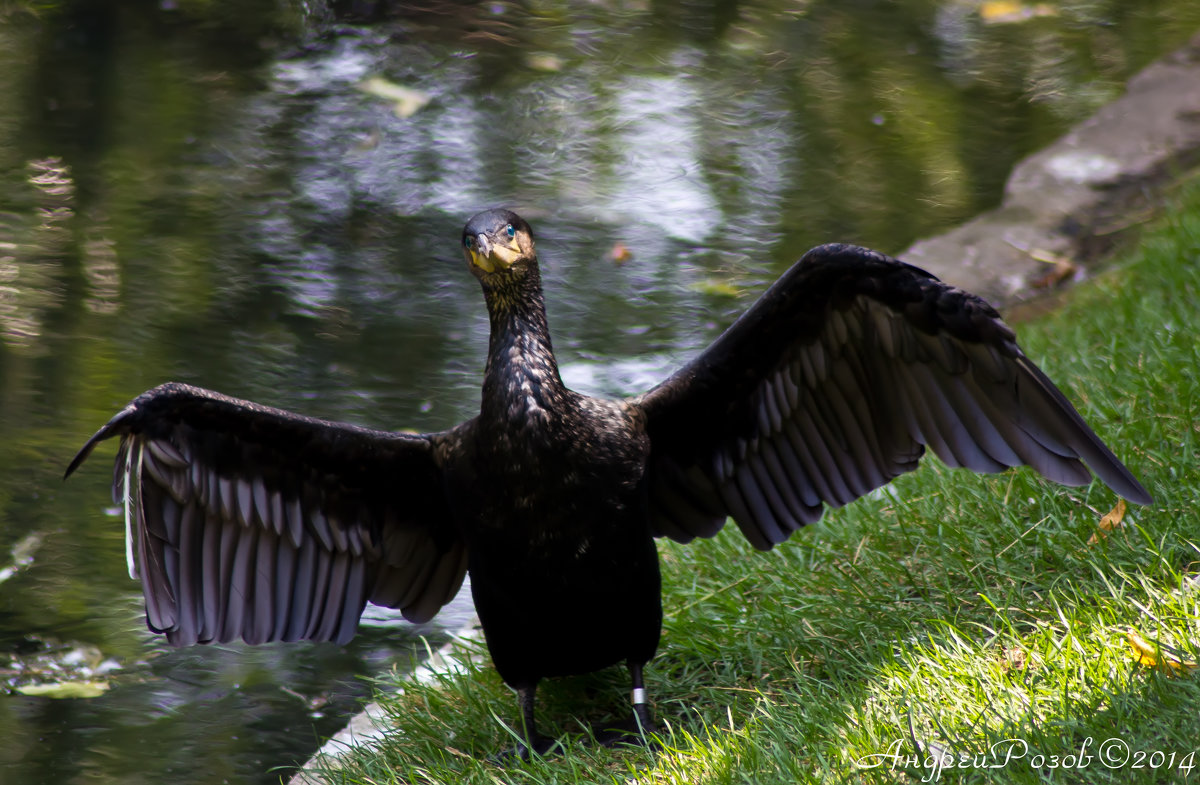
pixel 1073 200
pixel 371 724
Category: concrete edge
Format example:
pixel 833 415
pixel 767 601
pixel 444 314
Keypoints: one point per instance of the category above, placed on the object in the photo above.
pixel 371 724
pixel 1069 204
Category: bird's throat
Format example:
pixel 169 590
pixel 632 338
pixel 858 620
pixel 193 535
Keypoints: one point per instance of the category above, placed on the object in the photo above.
pixel 522 379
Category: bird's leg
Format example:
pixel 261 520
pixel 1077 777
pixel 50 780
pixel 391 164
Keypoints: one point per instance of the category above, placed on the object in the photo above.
pixel 640 728
pixel 533 742
pixel 641 710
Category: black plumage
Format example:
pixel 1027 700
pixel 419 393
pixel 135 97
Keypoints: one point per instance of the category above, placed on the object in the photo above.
pixel 249 522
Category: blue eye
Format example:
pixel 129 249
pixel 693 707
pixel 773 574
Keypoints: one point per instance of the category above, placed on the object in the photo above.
pixel 468 242
pixel 512 232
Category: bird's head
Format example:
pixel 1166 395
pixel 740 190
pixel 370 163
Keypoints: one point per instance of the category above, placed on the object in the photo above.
pixel 498 245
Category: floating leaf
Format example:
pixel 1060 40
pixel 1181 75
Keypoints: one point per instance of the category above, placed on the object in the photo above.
pixel 65 689
pixel 406 100
pixel 1150 655
pixel 368 142
pixel 999 12
pixel 544 62
pixel 620 253
pixel 716 287
pixel 22 555
pixel 1111 520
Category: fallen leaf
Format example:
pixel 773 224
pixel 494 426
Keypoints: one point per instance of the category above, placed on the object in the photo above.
pixel 1064 269
pixel 1015 659
pixel 544 62
pixel 716 287
pixel 1111 520
pixel 22 555
pixel 406 100
pixel 620 253
pixel 65 689
pixel 999 12
pixel 1150 655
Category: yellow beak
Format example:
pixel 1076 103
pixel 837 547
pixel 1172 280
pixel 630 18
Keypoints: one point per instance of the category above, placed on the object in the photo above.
pixel 491 258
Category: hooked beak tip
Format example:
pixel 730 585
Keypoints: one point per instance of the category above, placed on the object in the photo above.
pixel 481 254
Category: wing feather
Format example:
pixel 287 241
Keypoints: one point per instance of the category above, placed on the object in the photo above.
pixel 307 571
pixel 210 575
pixel 189 553
pixel 799 476
pixel 355 591
pixel 762 525
pixel 262 623
pixel 320 596
pixel 786 486
pixel 241 584
pixel 334 595
pixel 442 584
pixel 286 566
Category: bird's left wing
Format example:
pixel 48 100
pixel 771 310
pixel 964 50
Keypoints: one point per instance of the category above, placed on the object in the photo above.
pixel 249 522
pixel 833 383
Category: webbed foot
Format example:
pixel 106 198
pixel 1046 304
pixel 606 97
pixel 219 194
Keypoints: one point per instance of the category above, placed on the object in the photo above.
pixel 638 730
pixel 539 746
pixel 532 743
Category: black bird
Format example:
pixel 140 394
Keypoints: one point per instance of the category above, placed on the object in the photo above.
pixel 249 522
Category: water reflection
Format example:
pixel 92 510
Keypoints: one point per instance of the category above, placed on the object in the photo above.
pixel 206 192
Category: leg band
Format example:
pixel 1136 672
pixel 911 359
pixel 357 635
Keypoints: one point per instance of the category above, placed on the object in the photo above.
pixel 639 696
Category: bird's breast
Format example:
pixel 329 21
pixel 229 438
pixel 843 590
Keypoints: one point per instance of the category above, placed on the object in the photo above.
pixel 553 472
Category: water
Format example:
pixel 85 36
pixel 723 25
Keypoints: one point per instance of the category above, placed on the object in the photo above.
pixel 216 193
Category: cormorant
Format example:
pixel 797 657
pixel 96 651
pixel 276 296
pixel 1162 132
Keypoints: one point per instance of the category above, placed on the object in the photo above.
pixel 250 522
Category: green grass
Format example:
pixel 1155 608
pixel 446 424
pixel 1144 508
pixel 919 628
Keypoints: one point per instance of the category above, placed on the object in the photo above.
pixel 955 613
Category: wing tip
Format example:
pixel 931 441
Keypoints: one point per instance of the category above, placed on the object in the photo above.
pixel 1109 468
pixel 120 425
pixel 113 427
pixel 80 456
pixel 1135 493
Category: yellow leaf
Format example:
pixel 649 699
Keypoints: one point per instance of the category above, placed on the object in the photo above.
pixel 716 288
pixel 999 9
pixel 1150 655
pixel 406 100
pixel 544 62
pixel 1111 520
pixel 996 12
pixel 65 689
pixel 620 253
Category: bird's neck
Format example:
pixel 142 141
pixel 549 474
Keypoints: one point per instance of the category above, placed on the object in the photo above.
pixel 522 374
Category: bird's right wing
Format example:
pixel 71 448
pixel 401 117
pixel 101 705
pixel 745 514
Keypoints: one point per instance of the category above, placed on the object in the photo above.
pixel 253 523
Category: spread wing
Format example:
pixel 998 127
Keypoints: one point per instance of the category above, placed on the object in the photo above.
pixel 255 523
pixel 833 383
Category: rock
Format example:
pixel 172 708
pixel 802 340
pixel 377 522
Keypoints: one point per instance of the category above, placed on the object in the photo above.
pixel 1074 199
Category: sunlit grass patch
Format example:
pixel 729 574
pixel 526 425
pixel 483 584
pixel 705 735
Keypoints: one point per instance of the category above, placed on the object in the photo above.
pixel 953 620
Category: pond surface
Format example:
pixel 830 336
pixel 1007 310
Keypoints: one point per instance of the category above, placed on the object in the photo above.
pixel 265 198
